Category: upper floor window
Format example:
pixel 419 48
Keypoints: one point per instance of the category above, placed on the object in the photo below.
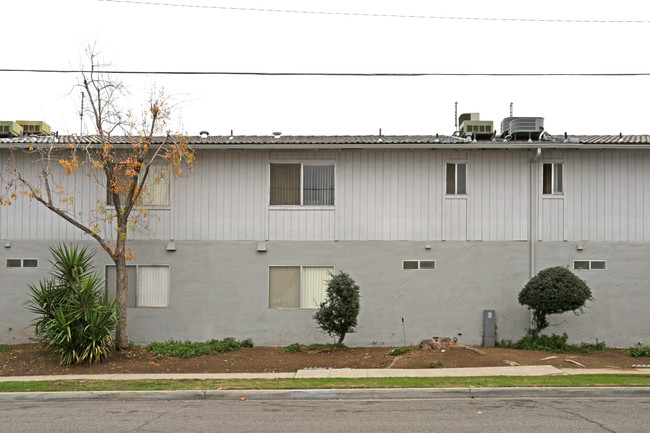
pixel 552 178
pixel 299 184
pixel 456 178
pixel 156 187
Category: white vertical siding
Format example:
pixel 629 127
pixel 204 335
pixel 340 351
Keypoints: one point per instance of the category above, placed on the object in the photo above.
pixel 379 195
pixel 606 195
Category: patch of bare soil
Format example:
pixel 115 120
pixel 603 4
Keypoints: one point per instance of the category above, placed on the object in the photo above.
pixel 32 359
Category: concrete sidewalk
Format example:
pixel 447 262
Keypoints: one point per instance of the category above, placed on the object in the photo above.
pixel 530 370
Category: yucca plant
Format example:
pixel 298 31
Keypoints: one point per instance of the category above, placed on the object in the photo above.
pixel 74 318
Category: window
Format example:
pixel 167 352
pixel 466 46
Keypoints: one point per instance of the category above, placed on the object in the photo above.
pixel 22 263
pixel 148 285
pixel 456 178
pixel 418 264
pixel 156 187
pixel 298 286
pixel 600 265
pixel 302 185
pixel 552 178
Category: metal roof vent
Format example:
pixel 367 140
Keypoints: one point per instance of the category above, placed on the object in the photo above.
pixel 277 134
pixel 522 128
pixel 204 134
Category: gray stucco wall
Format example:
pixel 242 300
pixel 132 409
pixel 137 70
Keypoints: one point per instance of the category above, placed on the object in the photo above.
pixel 220 289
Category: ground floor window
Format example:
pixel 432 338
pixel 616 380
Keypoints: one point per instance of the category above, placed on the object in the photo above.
pixel 22 263
pixel 418 264
pixel 590 264
pixel 148 285
pixel 298 286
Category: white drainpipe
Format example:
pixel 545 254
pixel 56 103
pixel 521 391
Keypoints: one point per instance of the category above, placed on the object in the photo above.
pixel 534 217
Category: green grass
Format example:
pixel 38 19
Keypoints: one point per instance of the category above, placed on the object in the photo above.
pixel 189 349
pixel 595 380
pixel 5 348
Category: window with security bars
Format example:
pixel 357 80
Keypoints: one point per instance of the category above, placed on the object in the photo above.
pixel 155 191
pixel 301 184
pixel 552 178
pixel 298 286
pixel 148 285
pixel 456 178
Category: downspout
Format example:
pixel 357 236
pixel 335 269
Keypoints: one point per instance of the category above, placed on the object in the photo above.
pixel 533 217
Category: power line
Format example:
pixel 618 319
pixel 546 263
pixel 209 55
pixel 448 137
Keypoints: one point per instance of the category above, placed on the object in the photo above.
pixel 337 74
pixel 360 14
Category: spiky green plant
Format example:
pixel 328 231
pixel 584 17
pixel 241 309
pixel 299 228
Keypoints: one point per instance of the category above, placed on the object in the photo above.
pixel 74 318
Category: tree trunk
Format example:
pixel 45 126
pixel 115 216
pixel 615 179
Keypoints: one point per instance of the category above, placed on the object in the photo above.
pixel 122 287
pixel 341 337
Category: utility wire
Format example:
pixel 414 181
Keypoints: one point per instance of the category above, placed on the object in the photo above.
pixel 360 14
pixel 336 74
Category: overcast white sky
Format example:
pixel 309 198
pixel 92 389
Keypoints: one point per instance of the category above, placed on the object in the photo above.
pixel 53 35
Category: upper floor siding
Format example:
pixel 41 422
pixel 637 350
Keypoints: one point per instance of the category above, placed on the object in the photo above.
pixel 380 195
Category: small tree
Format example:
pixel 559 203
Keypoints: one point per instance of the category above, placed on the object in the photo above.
pixel 118 165
pixel 553 291
pixel 337 315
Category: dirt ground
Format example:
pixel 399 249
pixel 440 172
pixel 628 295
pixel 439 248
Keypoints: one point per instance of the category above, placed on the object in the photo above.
pixel 32 359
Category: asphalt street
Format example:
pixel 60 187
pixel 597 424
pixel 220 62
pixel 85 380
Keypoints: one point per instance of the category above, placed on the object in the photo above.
pixel 503 415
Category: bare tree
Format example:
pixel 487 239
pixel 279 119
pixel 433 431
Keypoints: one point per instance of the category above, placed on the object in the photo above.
pixel 119 159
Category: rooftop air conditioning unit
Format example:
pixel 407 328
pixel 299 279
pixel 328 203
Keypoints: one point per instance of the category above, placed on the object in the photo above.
pixel 10 129
pixel 472 125
pixel 34 127
pixel 522 128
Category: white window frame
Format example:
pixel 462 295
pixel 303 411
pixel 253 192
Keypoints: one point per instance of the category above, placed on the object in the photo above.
pixel 302 164
pixel 419 262
pixel 152 169
pixel 22 263
pixel 590 262
pixel 300 289
pixel 455 194
pixel 553 192
pixel 137 282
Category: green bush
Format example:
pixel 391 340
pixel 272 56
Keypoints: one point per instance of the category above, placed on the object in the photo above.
pixel 637 352
pixel 74 319
pixel 337 315
pixel 556 343
pixel 318 346
pixel 292 348
pixel 401 351
pixel 545 343
pixel 594 347
pixel 553 291
pixel 189 349
pixel 247 342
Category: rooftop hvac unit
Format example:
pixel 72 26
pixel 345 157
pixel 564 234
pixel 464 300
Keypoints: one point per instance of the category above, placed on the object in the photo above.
pixel 33 127
pixel 472 125
pixel 520 128
pixel 10 129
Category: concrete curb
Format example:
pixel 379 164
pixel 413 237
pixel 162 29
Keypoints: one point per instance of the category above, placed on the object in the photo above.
pixel 328 394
